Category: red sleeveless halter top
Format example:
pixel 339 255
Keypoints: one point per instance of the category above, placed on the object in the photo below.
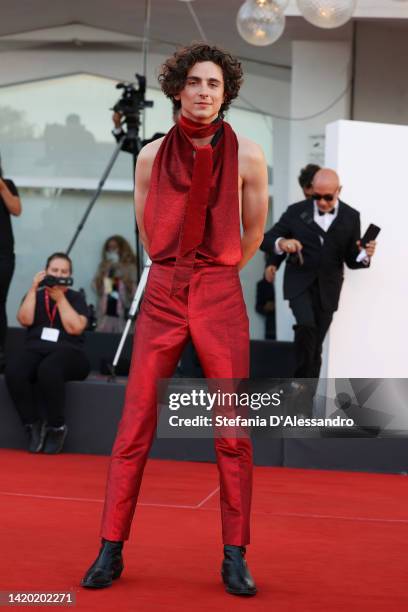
pixel 173 213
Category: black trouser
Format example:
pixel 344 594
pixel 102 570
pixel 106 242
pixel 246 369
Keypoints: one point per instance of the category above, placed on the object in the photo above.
pixel 50 369
pixel 312 323
pixel 6 274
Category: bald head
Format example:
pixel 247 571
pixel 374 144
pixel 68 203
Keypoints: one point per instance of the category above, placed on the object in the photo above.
pixel 326 182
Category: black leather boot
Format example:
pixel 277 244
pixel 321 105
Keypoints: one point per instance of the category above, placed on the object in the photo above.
pixel 108 566
pixel 235 572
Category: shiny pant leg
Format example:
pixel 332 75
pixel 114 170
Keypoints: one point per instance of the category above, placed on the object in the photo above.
pixel 160 336
pixel 221 339
pixel 213 311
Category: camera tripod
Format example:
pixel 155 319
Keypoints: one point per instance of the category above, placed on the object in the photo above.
pixel 131 317
pixel 130 106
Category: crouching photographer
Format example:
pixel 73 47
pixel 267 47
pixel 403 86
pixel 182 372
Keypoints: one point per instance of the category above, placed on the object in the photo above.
pixel 55 317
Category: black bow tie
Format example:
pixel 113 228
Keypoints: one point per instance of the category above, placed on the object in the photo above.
pixel 329 212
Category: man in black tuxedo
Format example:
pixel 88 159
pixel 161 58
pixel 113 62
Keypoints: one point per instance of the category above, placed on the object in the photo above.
pixel 319 234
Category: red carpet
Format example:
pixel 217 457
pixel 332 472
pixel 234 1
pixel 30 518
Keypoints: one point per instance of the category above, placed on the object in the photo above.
pixel 321 541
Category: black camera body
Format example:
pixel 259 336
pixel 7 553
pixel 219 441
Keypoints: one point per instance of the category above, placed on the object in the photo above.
pixel 296 259
pixel 57 281
pixel 132 101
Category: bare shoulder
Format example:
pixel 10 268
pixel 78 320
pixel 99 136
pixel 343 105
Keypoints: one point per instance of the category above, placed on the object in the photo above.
pixel 249 151
pixel 149 151
pixel 145 160
pixel 251 159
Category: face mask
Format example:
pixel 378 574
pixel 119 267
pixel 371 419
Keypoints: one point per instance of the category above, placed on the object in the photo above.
pixel 112 256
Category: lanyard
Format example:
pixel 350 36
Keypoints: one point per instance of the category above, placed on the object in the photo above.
pixel 47 308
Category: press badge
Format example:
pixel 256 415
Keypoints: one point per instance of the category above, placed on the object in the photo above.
pixel 50 334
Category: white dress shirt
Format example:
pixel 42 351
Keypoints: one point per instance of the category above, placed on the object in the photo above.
pixel 325 220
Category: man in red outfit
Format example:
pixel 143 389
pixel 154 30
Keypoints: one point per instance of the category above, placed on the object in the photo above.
pixel 194 188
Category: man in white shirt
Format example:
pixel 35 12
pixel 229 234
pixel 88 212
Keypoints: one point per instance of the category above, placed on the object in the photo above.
pixel 320 235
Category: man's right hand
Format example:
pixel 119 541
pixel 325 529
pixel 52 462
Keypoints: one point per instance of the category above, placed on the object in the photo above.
pixel 37 279
pixel 270 272
pixel 290 245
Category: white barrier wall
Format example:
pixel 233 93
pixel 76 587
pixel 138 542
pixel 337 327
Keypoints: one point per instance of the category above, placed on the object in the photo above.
pixel 369 334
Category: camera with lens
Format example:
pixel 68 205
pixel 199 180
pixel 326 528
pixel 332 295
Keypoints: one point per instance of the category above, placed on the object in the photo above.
pixel 132 101
pixel 57 281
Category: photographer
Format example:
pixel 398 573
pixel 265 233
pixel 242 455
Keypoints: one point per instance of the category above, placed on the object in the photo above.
pixel 55 317
pixel 10 204
pixel 115 284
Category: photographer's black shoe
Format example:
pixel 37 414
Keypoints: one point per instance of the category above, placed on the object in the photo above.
pixel 108 566
pixel 54 439
pixel 235 572
pixel 36 436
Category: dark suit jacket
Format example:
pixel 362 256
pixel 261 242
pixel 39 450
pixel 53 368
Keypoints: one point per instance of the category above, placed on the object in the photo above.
pixel 324 262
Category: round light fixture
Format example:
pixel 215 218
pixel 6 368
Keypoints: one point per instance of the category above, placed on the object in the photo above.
pixel 327 13
pixel 260 22
pixel 275 5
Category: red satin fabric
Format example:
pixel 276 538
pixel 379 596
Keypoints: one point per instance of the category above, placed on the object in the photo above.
pixel 194 129
pixel 211 312
pixel 193 222
pixel 169 196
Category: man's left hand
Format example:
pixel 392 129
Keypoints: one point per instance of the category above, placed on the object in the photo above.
pixel 369 248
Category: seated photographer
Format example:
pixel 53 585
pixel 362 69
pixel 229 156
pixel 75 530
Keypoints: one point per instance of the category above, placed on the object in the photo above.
pixel 115 284
pixel 56 317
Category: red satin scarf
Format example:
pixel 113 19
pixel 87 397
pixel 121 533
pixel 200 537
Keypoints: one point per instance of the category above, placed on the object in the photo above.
pixel 182 180
pixel 194 219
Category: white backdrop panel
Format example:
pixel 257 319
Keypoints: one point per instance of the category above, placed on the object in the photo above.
pixel 369 337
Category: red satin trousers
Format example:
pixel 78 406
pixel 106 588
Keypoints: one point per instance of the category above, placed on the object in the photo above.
pixel 211 311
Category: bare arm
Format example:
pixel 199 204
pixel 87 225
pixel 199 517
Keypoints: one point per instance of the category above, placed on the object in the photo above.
pixel 25 315
pixel 144 167
pixel 254 199
pixel 72 322
pixel 12 202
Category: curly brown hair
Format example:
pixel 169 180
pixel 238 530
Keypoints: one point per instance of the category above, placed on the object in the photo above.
pixel 127 263
pixel 173 73
pixel 126 253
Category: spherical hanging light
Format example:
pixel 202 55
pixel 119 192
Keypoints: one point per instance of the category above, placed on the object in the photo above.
pixel 279 5
pixel 327 13
pixel 260 22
